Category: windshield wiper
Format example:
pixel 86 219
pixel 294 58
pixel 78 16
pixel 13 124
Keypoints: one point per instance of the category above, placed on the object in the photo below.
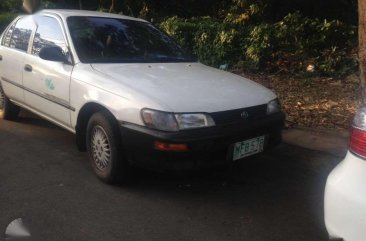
pixel 173 59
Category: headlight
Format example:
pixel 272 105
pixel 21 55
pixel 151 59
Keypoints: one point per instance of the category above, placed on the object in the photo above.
pixel 190 121
pixel 159 120
pixel 166 121
pixel 273 107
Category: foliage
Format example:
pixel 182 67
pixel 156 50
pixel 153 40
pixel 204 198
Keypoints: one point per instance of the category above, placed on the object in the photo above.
pixel 296 42
pixel 49 5
pixel 5 19
pixel 289 46
pixel 9 5
pixel 258 35
pixel 211 40
pixel 243 11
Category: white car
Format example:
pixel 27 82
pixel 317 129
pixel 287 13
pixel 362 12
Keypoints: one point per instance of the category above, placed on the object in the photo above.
pixel 131 95
pixel 345 192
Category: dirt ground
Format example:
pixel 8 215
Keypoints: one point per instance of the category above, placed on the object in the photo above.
pixel 327 103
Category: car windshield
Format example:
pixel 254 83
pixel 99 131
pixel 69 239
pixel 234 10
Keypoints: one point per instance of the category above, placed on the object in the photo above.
pixel 113 40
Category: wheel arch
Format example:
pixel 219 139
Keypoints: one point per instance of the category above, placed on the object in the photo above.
pixel 84 115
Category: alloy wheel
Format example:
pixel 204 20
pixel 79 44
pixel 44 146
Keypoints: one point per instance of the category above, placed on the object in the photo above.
pixel 101 150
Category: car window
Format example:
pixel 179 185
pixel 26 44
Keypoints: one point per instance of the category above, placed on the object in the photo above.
pixel 113 40
pixel 7 36
pixel 21 34
pixel 48 33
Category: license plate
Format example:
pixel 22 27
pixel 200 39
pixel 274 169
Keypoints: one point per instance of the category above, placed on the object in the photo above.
pixel 248 147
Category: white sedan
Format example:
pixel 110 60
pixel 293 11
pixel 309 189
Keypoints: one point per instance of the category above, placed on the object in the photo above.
pixel 131 95
pixel 345 192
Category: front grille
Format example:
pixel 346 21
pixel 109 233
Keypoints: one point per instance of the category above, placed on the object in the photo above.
pixel 234 116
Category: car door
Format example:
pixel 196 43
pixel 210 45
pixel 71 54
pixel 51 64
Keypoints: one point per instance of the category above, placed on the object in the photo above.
pixel 47 83
pixel 13 50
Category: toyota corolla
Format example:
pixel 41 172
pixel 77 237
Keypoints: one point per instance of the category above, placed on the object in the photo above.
pixel 131 95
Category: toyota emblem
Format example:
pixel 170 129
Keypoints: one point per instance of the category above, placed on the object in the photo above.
pixel 244 115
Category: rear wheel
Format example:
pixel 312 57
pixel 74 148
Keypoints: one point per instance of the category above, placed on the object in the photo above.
pixel 10 111
pixel 104 147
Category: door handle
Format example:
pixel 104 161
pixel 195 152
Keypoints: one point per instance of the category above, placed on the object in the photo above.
pixel 1 57
pixel 28 68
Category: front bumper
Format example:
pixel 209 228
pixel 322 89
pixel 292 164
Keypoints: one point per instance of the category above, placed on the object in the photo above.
pixel 207 147
pixel 345 200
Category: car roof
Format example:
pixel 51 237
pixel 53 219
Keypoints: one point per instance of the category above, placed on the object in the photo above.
pixel 63 13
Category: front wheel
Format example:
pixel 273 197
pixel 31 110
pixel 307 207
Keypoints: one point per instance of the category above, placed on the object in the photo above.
pixel 2 98
pixel 104 148
pixel 10 111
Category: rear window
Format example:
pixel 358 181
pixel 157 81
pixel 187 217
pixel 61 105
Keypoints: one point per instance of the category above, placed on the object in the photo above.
pixel 7 36
pixel 18 35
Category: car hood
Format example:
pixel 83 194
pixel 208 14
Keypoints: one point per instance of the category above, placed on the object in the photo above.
pixel 186 87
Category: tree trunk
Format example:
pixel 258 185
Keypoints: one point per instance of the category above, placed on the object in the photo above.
pixel 362 46
pixel 112 8
pixel 31 6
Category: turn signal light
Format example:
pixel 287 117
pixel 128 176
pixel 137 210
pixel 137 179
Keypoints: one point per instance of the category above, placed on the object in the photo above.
pixel 162 146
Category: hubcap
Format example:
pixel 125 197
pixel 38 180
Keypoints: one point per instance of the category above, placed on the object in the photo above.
pixel 2 99
pixel 101 149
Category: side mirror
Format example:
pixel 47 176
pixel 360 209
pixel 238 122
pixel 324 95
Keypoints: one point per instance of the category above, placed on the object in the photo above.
pixel 53 53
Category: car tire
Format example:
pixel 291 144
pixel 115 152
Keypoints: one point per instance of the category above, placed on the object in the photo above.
pixel 10 111
pixel 104 147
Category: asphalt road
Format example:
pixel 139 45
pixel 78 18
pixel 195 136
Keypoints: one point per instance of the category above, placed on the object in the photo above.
pixel 45 181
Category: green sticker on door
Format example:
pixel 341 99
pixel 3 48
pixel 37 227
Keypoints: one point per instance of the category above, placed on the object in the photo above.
pixel 49 84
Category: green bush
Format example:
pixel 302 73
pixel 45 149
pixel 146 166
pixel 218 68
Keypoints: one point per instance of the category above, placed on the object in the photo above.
pixel 5 19
pixel 296 42
pixel 288 46
pixel 211 40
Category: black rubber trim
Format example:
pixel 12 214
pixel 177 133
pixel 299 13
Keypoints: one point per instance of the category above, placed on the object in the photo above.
pixel 207 147
pixel 39 94
pixel 274 120
pixel 244 115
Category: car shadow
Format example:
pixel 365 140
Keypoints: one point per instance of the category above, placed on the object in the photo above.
pixel 26 117
pixel 281 190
